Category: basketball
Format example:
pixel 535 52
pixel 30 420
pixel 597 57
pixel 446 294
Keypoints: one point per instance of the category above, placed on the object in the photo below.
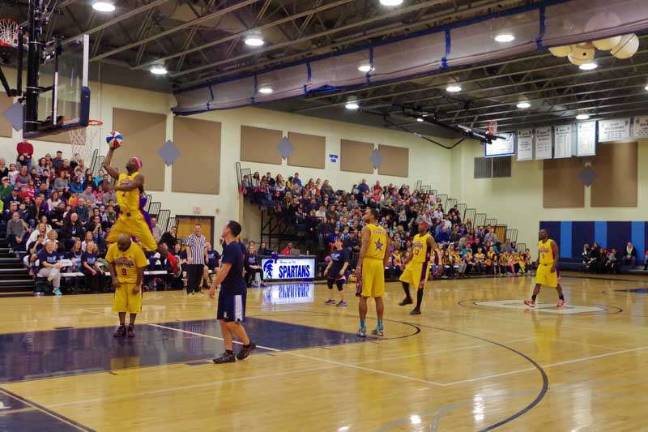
pixel 628 47
pixel 114 139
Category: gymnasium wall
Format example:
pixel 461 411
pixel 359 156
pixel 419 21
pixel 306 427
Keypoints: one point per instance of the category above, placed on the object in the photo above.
pixel 518 200
pixel 425 161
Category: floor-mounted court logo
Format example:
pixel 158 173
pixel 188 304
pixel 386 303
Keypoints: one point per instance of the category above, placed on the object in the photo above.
pixel 540 307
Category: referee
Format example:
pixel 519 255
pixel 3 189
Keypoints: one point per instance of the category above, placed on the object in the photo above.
pixel 195 259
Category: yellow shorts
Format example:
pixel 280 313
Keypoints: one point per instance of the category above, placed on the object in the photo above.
pixel 545 277
pixel 133 226
pixel 373 278
pixel 414 274
pixel 126 301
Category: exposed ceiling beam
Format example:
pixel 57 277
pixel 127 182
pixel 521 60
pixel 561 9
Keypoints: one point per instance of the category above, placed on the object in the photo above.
pixel 192 23
pixel 475 8
pixel 259 28
pixel 124 16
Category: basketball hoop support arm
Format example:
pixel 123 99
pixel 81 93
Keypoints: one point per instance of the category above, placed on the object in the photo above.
pixel 33 64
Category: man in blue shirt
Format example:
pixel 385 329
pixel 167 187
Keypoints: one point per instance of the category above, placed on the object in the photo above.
pixel 231 298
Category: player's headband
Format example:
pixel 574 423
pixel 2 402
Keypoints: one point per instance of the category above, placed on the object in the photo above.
pixel 138 162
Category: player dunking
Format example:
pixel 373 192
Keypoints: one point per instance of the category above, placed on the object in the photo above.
pixel 127 264
pixel 232 295
pixel 547 273
pixel 129 187
pixel 416 270
pixel 371 270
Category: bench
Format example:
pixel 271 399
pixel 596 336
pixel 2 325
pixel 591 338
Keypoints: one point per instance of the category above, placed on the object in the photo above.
pixel 77 277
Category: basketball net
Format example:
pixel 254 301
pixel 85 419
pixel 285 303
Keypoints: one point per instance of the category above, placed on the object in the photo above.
pixel 83 140
pixel 8 37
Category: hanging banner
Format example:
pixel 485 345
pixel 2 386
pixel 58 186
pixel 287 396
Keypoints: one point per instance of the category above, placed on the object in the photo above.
pixel 501 147
pixel 563 141
pixel 613 130
pixel 543 143
pixel 586 139
pixel 525 145
pixel 640 127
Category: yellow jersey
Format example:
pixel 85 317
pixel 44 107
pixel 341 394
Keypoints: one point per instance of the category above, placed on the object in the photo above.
pixel 377 246
pixel 545 253
pixel 420 252
pixel 126 262
pixel 128 200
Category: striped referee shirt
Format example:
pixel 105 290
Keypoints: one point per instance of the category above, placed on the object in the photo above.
pixel 197 246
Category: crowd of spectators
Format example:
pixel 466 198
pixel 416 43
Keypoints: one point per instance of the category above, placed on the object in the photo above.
pixel 597 259
pixel 321 214
pixel 56 214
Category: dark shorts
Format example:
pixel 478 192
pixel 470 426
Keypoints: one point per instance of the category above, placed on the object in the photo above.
pixel 231 308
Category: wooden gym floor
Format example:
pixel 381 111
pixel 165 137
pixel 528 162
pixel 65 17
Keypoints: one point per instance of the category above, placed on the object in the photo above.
pixel 475 360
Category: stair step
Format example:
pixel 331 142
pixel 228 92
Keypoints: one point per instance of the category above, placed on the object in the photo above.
pixel 16 282
pixel 4 271
pixel 9 291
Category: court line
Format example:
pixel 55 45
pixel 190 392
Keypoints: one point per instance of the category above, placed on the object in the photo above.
pixel 208 336
pixel 550 365
pixel 46 411
pixel 131 395
pixel 293 354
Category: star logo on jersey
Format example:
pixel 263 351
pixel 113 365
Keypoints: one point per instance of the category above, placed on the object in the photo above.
pixel 379 245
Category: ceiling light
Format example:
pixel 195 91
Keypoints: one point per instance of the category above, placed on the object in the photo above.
pixel 352 106
pixel 453 88
pixel 391 2
pixel 504 38
pixel 254 40
pixel 266 89
pixel 582 117
pixel 365 68
pixel 588 66
pixel 646 88
pixel 103 6
pixel 158 69
pixel 419 119
pixel 523 105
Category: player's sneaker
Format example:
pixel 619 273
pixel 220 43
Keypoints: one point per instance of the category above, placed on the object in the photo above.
pixel 362 332
pixel 131 331
pixel 226 357
pixel 57 292
pixel 245 351
pixel 529 303
pixel 378 332
pixel 120 332
pixel 342 303
pixel 406 301
pixel 329 302
pixel 415 311
pixel 561 303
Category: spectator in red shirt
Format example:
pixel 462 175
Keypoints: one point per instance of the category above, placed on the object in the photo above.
pixel 288 249
pixel 25 151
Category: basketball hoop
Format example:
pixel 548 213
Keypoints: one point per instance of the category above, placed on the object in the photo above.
pixel 8 38
pixel 82 139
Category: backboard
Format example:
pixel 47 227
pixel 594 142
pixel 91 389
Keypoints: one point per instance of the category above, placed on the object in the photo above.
pixel 64 97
